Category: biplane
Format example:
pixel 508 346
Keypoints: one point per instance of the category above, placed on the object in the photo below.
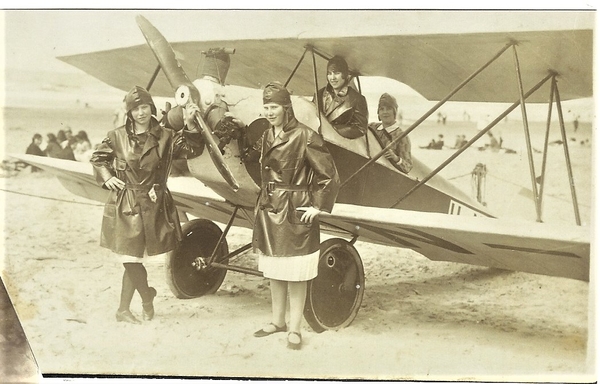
pixel 377 203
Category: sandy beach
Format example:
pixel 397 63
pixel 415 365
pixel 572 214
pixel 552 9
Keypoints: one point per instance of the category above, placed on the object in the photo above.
pixel 419 320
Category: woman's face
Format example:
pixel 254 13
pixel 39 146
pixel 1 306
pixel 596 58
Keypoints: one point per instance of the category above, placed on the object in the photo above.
pixel 141 114
pixel 386 114
pixel 274 113
pixel 336 79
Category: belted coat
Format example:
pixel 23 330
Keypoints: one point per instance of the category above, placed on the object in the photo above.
pixel 142 216
pixel 297 170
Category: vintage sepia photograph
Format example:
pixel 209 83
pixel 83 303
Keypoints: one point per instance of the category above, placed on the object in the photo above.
pixel 397 195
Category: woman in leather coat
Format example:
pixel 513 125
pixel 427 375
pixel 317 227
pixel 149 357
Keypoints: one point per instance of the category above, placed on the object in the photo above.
pixel 140 218
pixel 299 181
pixel 342 105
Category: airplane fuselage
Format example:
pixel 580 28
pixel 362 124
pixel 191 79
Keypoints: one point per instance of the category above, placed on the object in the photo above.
pixel 380 185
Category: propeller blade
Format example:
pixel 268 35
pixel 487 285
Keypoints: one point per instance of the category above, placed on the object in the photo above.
pixel 177 78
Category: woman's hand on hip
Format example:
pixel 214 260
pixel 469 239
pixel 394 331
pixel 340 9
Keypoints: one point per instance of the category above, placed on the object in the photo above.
pixel 115 184
pixel 309 214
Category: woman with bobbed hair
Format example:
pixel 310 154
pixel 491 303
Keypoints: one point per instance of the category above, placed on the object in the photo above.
pixel 140 218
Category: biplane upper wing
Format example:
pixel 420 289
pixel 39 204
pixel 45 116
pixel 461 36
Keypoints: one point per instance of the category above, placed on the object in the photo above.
pixel 513 245
pixel 530 247
pixel 432 63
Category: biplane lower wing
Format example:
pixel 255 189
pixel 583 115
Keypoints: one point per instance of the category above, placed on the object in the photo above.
pixel 539 248
pixel 190 195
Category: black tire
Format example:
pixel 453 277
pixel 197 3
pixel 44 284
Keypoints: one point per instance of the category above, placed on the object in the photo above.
pixel 333 298
pixel 199 239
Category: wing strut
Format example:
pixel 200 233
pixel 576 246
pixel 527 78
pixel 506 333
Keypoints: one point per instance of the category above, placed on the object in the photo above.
pixel 527 136
pixel 427 114
pixel 314 61
pixel 156 71
pixel 296 68
pixel 212 263
pixel 474 139
pixel 546 141
pixel 567 156
pixel 554 95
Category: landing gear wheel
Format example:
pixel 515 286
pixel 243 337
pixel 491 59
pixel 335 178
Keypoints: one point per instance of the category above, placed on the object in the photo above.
pixel 333 298
pixel 199 239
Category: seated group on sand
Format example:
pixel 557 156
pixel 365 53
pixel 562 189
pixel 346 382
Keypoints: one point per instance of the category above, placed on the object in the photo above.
pixel 63 145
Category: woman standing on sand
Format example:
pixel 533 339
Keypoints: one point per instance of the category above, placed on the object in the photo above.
pixel 140 219
pixel 299 181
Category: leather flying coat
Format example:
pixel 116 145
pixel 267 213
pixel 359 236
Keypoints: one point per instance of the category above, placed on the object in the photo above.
pixel 297 170
pixel 142 216
pixel 348 114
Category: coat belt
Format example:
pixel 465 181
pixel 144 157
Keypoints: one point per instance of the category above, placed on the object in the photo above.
pixel 142 187
pixel 272 186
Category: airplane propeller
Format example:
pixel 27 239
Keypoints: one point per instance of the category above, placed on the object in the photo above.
pixel 185 91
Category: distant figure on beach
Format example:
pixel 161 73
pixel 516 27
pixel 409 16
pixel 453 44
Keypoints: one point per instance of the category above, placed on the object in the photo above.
pixel 82 149
pixel 576 123
pixel 34 149
pixel 493 144
pixel 53 149
pixel 461 141
pixel 67 152
pixel 435 144
pixel 61 137
pixel 457 142
pixel 64 135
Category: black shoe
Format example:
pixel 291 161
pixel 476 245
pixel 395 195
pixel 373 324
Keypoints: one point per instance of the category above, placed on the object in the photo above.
pixel 127 317
pixel 294 346
pixel 148 307
pixel 262 333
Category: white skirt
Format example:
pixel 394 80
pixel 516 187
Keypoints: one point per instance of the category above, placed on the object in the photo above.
pixel 289 268
pixel 154 259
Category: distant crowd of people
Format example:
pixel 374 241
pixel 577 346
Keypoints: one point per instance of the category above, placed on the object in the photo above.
pixel 63 145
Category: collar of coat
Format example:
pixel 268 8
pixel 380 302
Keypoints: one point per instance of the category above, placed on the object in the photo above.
pixel 283 136
pixel 155 133
pixel 341 93
pixel 154 128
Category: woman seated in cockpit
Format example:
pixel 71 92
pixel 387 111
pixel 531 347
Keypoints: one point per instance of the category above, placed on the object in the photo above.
pixel 389 130
pixel 343 106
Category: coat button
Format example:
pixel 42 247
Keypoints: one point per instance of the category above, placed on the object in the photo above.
pixel 262 207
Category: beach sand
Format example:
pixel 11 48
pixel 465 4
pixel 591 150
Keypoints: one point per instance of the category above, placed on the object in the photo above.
pixel 419 320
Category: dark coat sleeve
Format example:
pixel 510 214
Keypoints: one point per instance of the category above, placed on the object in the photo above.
pixel 325 183
pixel 355 124
pixel 187 144
pixel 102 160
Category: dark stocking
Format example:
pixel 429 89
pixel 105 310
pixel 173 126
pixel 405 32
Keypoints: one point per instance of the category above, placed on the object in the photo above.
pixel 139 276
pixel 127 291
